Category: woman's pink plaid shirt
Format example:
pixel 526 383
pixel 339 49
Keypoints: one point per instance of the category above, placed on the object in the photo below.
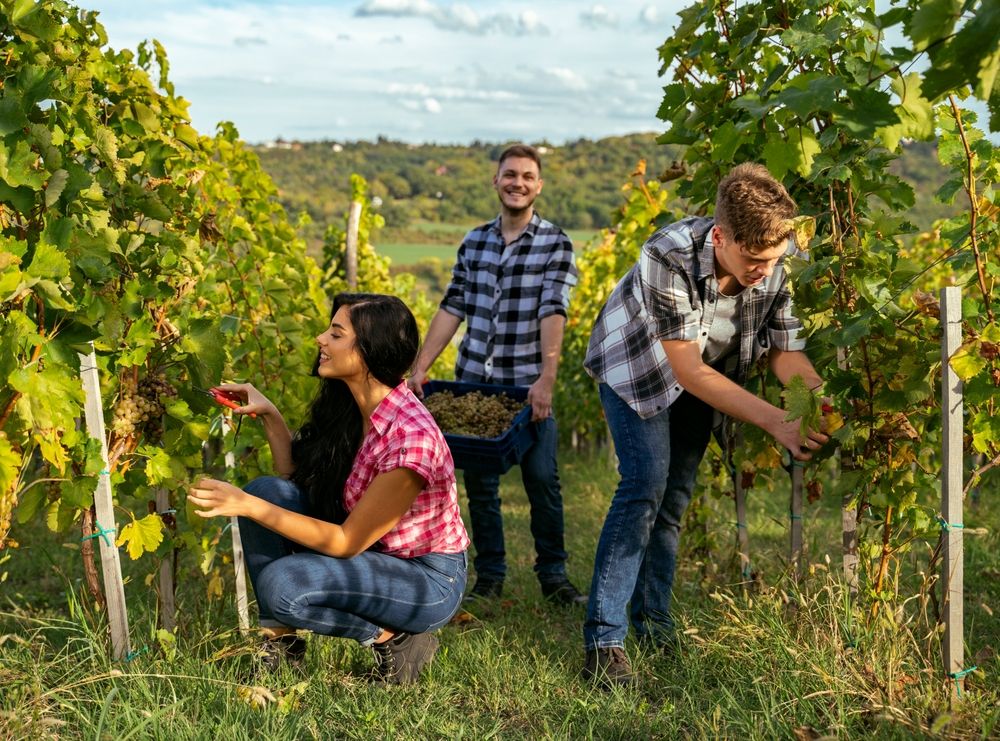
pixel 403 434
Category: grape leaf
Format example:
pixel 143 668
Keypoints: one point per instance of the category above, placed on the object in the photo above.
pixel 968 361
pixel 141 536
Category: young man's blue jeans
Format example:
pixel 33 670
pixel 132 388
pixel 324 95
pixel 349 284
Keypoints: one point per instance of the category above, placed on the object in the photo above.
pixel 540 475
pixel 637 553
pixel 348 597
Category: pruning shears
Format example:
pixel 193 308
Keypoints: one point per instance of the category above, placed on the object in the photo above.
pixel 228 399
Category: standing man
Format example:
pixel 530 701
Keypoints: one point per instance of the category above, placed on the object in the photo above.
pixel 511 284
pixel 674 342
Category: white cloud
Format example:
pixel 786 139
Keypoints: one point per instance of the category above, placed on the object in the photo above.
pixel 599 17
pixel 488 71
pixel 250 41
pixel 455 17
pixel 565 77
pixel 649 16
pixel 449 92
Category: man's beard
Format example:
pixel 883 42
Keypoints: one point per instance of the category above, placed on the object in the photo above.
pixel 516 211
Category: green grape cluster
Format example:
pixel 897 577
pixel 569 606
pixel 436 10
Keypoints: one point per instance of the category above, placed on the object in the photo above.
pixel 140 408
pixel 474 414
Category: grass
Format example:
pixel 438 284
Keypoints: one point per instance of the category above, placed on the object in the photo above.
pixel 425 239
pixel 774 663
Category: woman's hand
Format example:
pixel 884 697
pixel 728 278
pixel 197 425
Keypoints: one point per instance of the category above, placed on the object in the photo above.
pixel 253 401
pixel 214 498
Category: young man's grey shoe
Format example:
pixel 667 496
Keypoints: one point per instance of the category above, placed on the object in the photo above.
pixel 400 659
pixel 608 668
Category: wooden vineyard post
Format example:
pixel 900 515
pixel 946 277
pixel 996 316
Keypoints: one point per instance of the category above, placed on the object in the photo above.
pixel 795 519
pixel 351 256
pixel 168 606
pixel 739 494
pixel 848 513
pixel 952 576
pixel 104 526
pixel 239 564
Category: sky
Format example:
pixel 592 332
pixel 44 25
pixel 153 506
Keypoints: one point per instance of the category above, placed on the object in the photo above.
pixel 414 70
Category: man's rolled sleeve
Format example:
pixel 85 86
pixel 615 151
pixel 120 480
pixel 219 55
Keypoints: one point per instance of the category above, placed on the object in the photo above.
pixel 454 295
pixel 666 294
pixel 559 278
pixel 784 329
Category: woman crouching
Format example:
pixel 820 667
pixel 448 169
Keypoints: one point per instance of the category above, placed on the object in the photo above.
pixel 361 536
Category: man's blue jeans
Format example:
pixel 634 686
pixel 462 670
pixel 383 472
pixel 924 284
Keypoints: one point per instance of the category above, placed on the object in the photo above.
pixel 540 475
pixel 637 553
pixel 348 597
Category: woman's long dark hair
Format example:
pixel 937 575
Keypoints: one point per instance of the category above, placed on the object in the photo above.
pixel 387 339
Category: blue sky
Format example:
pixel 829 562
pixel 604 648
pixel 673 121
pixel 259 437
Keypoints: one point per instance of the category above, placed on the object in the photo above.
pixel 416 70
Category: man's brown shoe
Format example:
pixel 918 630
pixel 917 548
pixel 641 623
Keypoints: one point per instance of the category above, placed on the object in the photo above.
pixel 608 668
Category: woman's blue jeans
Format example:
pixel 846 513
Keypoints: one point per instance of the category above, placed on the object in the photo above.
pixel 347 597
pixel 658 462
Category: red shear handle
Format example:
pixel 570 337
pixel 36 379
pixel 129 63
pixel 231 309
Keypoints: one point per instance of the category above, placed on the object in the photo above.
pixel 229 399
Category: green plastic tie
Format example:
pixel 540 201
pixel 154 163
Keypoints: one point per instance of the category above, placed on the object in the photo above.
pixel 104 472
pixel 945 525
pixel 135 654
pixel 797 463
pixel 960 675
pixel 740 525
pixel 793 516
pixel 101 533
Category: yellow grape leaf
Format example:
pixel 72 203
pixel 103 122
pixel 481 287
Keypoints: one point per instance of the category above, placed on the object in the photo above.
pixel 141 535
pixel 834 421
pixel 291 698
pixel 988 209
pixel 256 696
pixel 10 464
pixel 804 229
pixel 769 457
pixel 51 448
pixel 215 585
pixel 968 361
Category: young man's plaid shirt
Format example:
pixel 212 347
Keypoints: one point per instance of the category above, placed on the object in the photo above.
pixel 670 294
pixel 503 293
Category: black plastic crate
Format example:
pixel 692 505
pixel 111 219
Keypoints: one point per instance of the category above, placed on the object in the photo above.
pixel 493 454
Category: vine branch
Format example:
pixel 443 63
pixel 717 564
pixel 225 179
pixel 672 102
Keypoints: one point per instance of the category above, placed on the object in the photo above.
pixel 970 189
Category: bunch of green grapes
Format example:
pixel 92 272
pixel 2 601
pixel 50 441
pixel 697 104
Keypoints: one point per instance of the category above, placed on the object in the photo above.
pixel 140 408
pixel 474 414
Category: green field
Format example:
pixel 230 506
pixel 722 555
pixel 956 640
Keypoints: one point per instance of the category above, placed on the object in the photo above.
pixel 779 662
pixel 441 241
pixel 408 254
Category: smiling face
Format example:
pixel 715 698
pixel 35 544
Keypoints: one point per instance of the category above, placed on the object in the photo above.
pixel 338 354
pixel 733 263
pixel 517 183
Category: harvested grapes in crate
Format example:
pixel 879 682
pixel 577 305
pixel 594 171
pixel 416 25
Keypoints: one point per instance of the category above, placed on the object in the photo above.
pixel 474 414
pixel 488 427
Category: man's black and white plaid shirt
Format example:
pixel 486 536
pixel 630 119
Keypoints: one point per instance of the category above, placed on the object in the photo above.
pixel 670 294
pixel 503 292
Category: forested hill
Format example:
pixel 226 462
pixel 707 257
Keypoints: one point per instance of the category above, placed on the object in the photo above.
pixel 451 183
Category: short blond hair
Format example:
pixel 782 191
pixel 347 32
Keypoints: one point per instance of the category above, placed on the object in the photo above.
pixel 753 208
